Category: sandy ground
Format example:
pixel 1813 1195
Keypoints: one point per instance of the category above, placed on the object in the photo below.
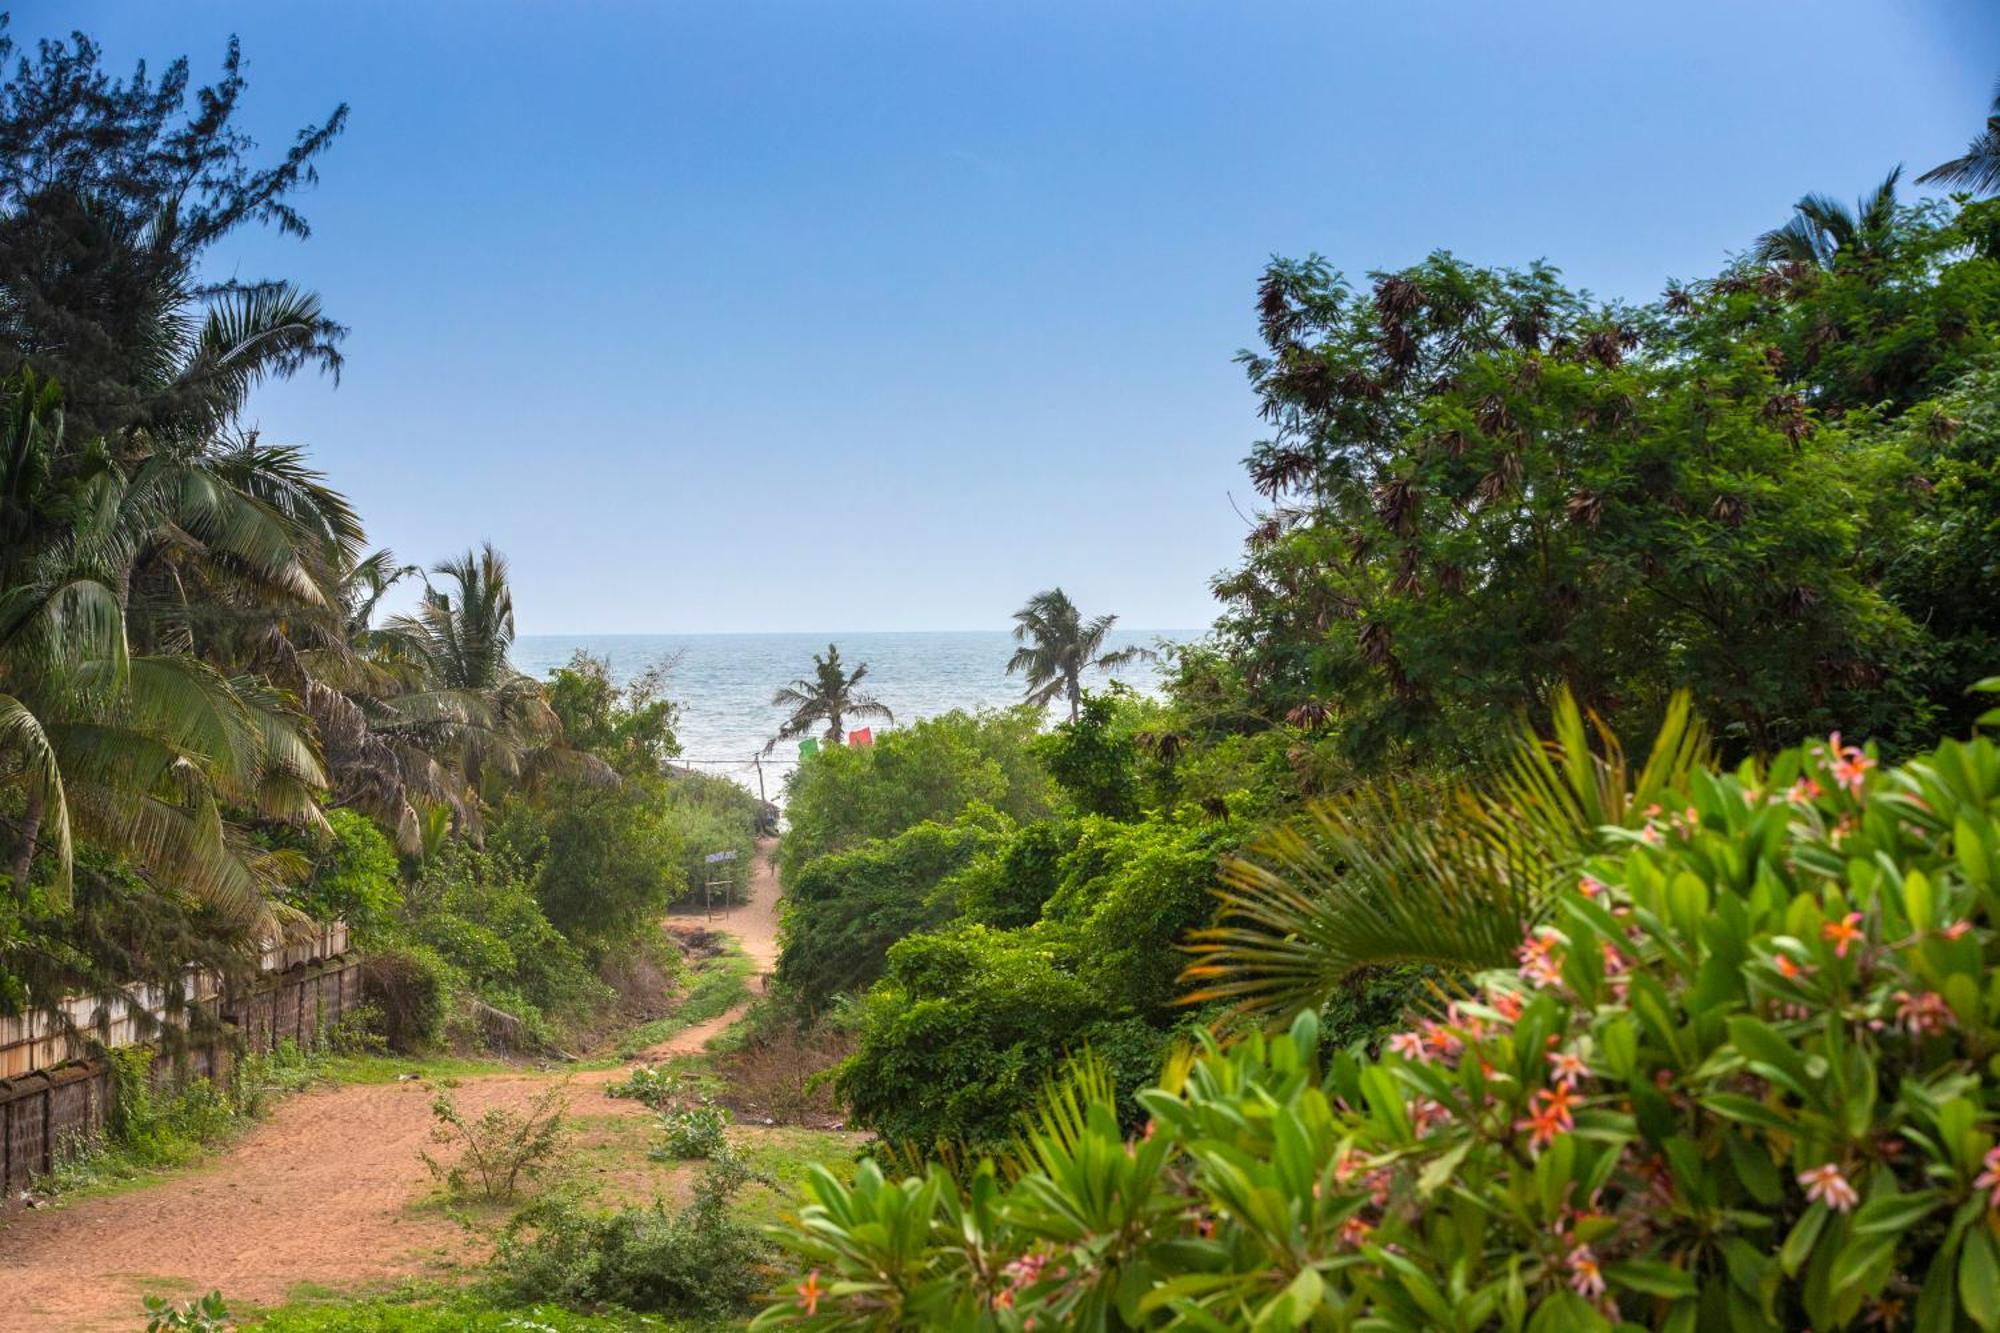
pixel 323 1193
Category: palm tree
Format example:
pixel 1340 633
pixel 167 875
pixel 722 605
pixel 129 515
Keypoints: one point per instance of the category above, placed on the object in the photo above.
pixel 827 696
pixel 1822 228
pixel 1978 169
pixel 1058 646
pixel 1451 878
pixel 497 719
pixel 139 752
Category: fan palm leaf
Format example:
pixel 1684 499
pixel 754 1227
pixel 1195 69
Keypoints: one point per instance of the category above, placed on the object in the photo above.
pixel 1449 877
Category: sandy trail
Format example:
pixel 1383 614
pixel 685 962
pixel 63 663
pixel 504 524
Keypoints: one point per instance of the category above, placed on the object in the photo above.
pixel 321 1193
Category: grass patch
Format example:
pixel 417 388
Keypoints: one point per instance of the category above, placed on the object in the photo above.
pixel 719 984
pixel 464 1312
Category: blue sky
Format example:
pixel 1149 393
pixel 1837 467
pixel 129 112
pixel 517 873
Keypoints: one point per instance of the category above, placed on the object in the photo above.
pixel 841 316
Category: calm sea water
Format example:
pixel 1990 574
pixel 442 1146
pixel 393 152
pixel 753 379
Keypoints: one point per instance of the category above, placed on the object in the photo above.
pixel 723 682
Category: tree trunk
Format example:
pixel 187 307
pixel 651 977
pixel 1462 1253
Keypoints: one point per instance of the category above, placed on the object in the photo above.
pixel 31 828
pixel 1075 696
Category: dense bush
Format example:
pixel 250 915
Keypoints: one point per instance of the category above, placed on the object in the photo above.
pixel 1129 892
pixel 929 771
pixel 697 1262
pixel 1007 884
pixel 843 910
pixel 1741 1078
pixel 605 859
pixel 1094 759
pixel 711 814
pixel 355 876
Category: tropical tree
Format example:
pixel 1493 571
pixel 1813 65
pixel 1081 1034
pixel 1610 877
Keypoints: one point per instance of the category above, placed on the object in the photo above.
pixel 146 754
pixel 1822 228
pixel 1978 168
pixel 828 695
pixel 1058 646
pixel 497 719
pixel 1446 876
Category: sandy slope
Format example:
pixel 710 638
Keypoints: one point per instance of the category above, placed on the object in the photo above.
pixel 319 1193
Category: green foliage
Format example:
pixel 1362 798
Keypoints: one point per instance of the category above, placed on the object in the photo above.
pixel 1486 484
pixel 697 1128
pixel 204 1314
pixel 1006 885
pixel 697 1262
pixel 650 1086
pixel 1739 1079
pixel 964 1028
pixel 843 797
pixel 500 1149
pixel 1129 895
pixel 630 727
pixel 843 910
pixel 1094 760
pixel 711 814
pixel 355 877
pixel 606 859
pixel 478 912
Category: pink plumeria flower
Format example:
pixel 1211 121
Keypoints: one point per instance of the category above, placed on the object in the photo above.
pixel 1591 887
pixel 1825 1184
pixel 1567 1068
pixel 1408 1045
pixel 1956 930
pixel 1586 1279
pixel 1989 1179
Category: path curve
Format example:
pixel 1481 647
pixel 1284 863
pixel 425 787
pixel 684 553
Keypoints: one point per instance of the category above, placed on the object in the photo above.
pixel 322 1192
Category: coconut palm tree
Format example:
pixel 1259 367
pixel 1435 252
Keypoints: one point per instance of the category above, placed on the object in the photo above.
pixel 497 719
pixel 828 696
pixel 1822 228
pixel 1978 168
pixel 140 752
pixel 1058 646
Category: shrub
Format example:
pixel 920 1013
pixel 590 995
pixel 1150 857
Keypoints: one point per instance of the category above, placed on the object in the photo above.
pixel 1007 885
pixel 650 1086
pixel 929 771
pixel 1741 1079
pixel 410 987
pixel 844 910
pixel 605 860
pixel 1094 759
pixel 696 1129
pixel 696 1263
pixel 501 1148
pixel 1130 892
pixel 354 878
pixel 962 1030
pixel 204 1314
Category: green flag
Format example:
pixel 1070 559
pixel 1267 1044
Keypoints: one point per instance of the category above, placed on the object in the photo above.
pixel 809 745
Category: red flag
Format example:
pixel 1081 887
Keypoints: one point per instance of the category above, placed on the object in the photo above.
pixel 865 736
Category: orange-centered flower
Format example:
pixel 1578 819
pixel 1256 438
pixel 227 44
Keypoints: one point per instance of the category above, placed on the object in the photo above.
pixel 1842 933
pixel 810 1291
pixel 1825 1184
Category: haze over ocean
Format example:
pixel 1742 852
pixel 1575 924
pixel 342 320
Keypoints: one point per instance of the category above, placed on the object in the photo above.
pixel 723 682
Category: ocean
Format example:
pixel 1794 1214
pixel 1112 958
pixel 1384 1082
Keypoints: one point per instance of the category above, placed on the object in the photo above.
pixel 723 682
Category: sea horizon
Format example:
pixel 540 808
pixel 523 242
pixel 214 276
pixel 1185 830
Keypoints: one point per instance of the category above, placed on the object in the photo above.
pixel 722 681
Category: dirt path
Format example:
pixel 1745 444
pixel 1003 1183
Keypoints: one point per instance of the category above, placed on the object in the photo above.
pixel 325 1192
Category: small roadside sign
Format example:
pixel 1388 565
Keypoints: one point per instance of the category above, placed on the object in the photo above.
pixel 713 857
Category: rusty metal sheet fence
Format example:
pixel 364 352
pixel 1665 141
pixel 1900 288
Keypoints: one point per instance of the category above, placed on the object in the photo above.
pixel 44 1111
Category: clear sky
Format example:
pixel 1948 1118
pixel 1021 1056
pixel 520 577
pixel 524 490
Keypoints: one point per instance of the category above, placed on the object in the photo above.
pixel 842 316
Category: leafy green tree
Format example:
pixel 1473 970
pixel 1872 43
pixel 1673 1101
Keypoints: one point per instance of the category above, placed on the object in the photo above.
pixel 1094 759
pixel 1485 485
pixel 607 858
pixel 629 726
pixel 1058 646
pixel 930 771
pixel 111 191
pixel 1978 168
pixel 843 911
pixel 829 696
